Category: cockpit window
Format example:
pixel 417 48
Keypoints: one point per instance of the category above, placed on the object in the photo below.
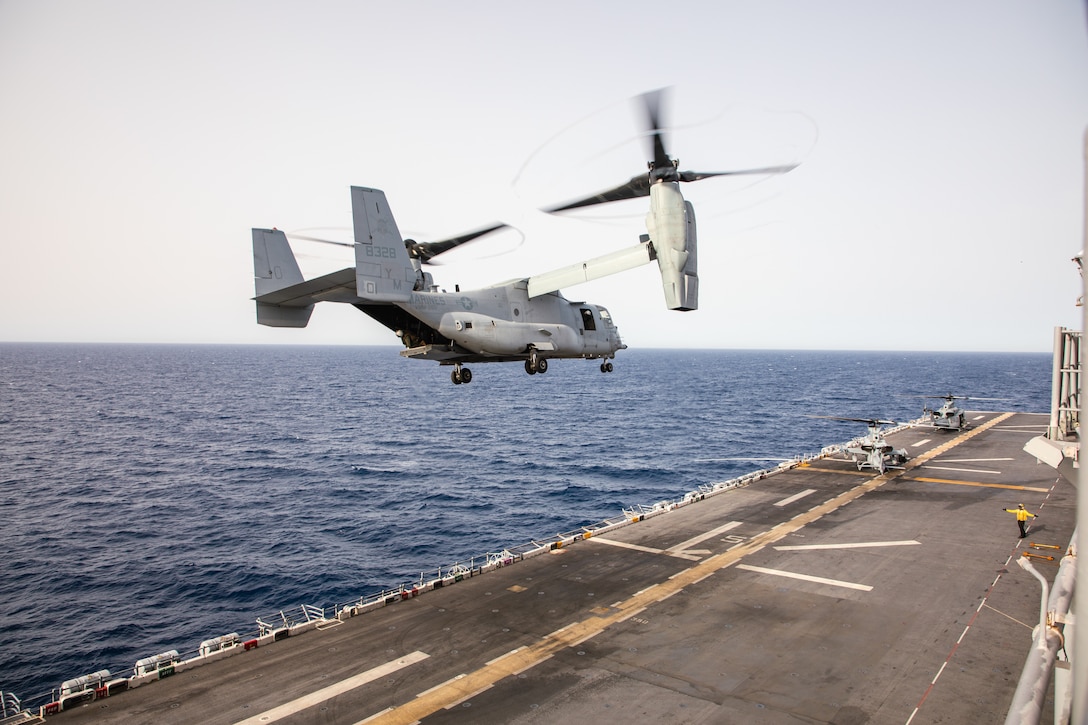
pixel 604 313
pixel 587 319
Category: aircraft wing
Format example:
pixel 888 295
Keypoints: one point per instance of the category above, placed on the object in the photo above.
pixel 334 287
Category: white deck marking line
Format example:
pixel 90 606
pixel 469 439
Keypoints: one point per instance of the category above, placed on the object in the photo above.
pixel 962 470
pixel 860 545
pixel 625 545
pixel 922 442
pixel 796 497
pixel 684 545
pixel 972 460
pixel 680 551
pixel 339 688
pixel 805 577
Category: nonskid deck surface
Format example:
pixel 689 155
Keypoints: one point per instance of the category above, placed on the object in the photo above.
pixel 821 594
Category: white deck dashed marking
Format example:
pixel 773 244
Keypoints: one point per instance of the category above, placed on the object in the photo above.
pixel 796 497
pixel 325 693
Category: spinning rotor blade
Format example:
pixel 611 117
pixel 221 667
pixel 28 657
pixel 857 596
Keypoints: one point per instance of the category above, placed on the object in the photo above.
pixel 870 421
pixel 652 103
pixel 636 187
pixel 319 239
pixel 426 251
pixel 661 168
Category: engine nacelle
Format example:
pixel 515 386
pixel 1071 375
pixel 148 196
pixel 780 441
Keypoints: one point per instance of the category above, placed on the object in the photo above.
pixel 671 224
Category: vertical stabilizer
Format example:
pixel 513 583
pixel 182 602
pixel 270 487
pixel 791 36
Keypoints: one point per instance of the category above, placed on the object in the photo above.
pixel 383 269
pixel 274 268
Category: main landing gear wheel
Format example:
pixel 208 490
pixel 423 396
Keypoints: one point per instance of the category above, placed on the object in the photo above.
pixel 461 375
pixel 606 367
pixel 536 365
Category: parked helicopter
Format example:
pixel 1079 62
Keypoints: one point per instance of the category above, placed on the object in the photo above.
pixel 525 320
pixel 949 416
pixel 872 451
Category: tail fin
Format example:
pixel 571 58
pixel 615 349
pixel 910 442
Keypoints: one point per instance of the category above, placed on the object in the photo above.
pixel 274 268
pixel 383 270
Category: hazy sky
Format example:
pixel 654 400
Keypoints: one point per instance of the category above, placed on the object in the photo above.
pixel 937 205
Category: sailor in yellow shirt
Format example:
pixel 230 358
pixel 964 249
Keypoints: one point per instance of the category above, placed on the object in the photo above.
pixel 1021 516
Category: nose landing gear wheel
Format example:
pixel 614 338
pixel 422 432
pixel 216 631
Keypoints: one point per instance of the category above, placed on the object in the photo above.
pixel 529 367
pixel 606 367
pixel 461 375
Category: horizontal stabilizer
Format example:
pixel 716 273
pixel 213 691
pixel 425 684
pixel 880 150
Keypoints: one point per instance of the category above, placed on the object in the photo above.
pixel 334 287
pixel 276 316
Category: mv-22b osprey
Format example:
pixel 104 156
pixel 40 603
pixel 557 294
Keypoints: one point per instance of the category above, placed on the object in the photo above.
pixel 525 320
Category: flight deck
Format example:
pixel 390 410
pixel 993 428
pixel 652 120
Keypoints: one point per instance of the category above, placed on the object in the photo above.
pixel 819 594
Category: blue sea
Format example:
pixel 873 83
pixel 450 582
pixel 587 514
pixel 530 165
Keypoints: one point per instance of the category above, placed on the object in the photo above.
pixel 153 496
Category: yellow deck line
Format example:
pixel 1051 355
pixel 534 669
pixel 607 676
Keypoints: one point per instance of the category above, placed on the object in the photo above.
pixel 978 483
pixel 522 659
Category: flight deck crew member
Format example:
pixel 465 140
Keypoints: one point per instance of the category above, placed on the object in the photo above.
pixel 1021 516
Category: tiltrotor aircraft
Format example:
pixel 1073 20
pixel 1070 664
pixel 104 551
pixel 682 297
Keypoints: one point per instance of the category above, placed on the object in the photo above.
pixel 872 451
pixel 525 320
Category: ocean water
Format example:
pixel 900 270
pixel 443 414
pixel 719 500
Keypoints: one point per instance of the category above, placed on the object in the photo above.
pixel 152 496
